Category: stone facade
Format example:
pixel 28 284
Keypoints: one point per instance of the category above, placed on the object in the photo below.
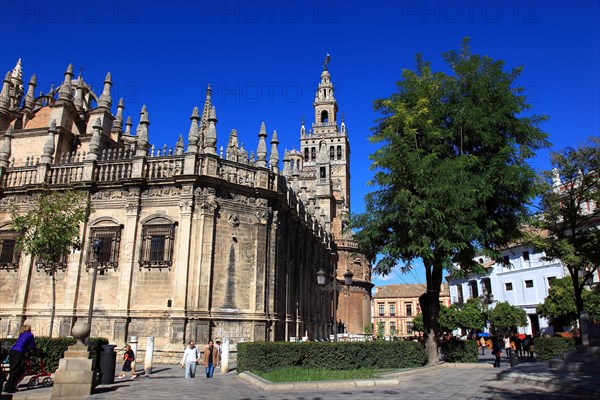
pixel 198 242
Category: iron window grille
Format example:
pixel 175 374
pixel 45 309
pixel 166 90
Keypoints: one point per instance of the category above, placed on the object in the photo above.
pixel 157 246
pixel 9 256
pixel 108 256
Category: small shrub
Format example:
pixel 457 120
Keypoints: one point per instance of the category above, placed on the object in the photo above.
pixel 460 351
pixel 267 356
pixel 547 348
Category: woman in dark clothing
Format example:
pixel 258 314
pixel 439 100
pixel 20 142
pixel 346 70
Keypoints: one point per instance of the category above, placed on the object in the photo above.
pixel 497 351
pixel 24 344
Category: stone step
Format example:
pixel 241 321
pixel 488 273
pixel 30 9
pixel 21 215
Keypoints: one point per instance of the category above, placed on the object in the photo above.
pixel 582 357
pixel 564 365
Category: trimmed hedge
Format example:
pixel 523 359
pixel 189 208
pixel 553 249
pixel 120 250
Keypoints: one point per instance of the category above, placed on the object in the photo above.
pixel 54 349
pixel 266 356
pixel 460 351
pixel 547 348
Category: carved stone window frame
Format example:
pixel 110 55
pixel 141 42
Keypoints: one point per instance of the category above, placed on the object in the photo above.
pixel 158 243
pixel 8 242
pixel 109 251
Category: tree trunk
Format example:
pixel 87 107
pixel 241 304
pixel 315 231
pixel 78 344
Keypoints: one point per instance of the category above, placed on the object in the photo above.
pixel 53 302
pixel 577 292
pixel 431 312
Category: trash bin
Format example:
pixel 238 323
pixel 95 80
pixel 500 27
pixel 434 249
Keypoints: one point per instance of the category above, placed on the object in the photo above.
pixel 108 362
pixel 514 360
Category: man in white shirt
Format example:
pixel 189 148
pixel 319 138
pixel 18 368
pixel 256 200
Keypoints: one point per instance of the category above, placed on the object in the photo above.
pixel 191 356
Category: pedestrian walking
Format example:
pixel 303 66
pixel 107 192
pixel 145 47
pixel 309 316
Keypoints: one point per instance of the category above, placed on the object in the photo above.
pixel 482 342
pixel 210 359
pixel 16 357
pixel 128 358
pixel 531 349
pixel 496 351
pixel 191 357
pixel 507 345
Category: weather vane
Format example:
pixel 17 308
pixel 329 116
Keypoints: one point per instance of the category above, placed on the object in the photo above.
pixel 327 59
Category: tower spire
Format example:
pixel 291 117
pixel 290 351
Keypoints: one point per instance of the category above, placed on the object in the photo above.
pixel 261 151
pixel 194 132
pixel 64 94
pixel 105 100
pixel 274 157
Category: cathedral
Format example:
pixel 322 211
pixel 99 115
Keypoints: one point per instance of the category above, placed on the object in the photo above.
pixel 201 240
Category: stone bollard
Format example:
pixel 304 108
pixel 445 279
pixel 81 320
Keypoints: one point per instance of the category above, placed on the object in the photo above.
pixel 585 328
pixel 149 355
pixel 225 357
pixel 133 342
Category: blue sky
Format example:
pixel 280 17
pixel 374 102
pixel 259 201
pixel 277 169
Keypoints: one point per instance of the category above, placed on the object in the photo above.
pixel 263 60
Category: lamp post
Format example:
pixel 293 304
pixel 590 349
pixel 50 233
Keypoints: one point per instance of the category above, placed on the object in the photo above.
pixel 333 287
pixel 486 300
pixel 96 246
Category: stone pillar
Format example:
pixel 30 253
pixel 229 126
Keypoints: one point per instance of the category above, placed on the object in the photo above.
pixel 74 378
pixel 183 252
pixel 129 255
pixel 261 248
pixel 208 208
pixel 225 356
pixel 149 355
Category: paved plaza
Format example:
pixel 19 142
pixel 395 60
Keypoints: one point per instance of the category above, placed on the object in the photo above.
pixel 472 381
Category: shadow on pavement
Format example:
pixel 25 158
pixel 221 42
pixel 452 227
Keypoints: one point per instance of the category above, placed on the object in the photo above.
pixel 506 392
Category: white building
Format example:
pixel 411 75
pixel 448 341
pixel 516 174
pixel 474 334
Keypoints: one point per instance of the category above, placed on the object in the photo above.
pixel 524 284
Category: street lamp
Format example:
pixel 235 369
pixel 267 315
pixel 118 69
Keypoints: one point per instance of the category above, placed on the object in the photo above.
pixel 333 287
pixel 96 246
pixel 486 299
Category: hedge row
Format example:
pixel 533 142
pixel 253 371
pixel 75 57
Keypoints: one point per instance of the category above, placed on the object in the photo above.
pixel 54 349
pixel 266 356
pixel 547 348
pixel 460 351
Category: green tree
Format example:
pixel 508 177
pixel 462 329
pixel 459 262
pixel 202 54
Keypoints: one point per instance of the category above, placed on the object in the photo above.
pixel 568 227
pixel 418 323
pixel 507 318
pixel 452 178
pixel 559 306
pixel 471 316
pixel 448 319
pixel 368 329
pixel 50 231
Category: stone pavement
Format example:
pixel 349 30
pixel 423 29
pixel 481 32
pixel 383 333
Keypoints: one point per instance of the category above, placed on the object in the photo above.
pixel 446 381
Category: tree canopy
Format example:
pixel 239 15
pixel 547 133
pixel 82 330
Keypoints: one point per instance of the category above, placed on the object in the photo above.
pixel 451 175
pixel 507 318
pixel 559 306
pixel 471 316
pixel 568 226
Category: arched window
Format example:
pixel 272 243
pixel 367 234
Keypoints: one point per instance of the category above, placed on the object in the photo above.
pixel 331 152
pixel 313 153
pixel 324 116
pixel 108 256
pixel 339 152
pixel 306 153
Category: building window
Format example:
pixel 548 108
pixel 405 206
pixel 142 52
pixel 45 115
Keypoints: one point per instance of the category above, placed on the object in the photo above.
pixel 331 152
pixel 9 257
pixel 526 255
pixel 529 284
pixel 487 287
pixel 461 299
pixel 392 310
pixel 313 153
pixel 550 280
pixel 381 310
pixel 409 310
pixel 409 328
pixel 157 245
pixel 393 328
pixel 306 154
pixel 108 257
pixel 473 289
pixel 508 286
pixel 506 260
pixel 322 174
pixel 324 116
pixel 339 152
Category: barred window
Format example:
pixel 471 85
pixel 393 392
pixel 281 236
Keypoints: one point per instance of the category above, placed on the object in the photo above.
pixel 392 310
pixel 108 256
pixel 9 257
pixel 157 245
